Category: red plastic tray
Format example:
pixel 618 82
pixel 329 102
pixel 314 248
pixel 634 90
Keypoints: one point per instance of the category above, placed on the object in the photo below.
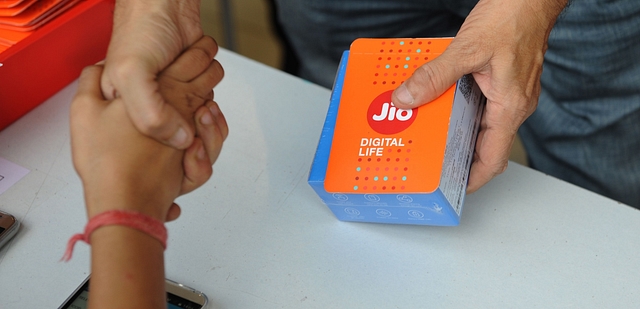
pixel 40 65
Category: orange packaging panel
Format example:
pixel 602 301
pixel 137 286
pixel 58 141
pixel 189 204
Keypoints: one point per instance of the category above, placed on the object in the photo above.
pixel 378 163
pixel 389 150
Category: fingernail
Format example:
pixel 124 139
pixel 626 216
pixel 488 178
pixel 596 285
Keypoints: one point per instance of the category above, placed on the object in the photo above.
pixel 403 95
pixel 206 119
pixel 201 154
pixel 179 138
pixel 215 110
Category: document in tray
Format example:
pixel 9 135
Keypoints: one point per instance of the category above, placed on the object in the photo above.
pixel 13 11
pixel 33 14
pixel 9 3
pixel 10 37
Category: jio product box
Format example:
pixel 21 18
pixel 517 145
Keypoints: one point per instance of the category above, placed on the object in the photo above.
pixel 53 55
pixel 378 163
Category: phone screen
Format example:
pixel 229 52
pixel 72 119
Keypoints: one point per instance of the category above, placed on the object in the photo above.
pixel 81 298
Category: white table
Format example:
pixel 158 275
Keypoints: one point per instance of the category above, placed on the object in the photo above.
pixel 257 236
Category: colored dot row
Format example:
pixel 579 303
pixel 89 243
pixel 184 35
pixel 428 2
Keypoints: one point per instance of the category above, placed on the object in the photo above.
pixel 385 82
pixel 402 42
pixel 406 58
pixel 408 50
pixel 358 169
pixel 384 178
pixel 397 66
pixel 386 74
pixel 355 188
pixel 380 160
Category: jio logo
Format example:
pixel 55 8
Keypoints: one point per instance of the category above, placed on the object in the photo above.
pixel 385 118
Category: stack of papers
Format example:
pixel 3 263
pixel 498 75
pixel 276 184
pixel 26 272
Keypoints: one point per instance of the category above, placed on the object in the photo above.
pixel 19 18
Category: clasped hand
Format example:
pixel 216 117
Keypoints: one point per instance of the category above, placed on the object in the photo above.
pixel 120 167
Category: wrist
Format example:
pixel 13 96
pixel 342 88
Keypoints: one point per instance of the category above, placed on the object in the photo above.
pixel 111 184
pixel 547 10
pixel 155 211
pixel 184 14
pixel 555 7
pixel 117 226
pixel 124 197
pixel 528 22
pixel 109 227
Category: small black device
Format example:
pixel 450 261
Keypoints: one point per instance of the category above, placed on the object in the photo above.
pixel 8 227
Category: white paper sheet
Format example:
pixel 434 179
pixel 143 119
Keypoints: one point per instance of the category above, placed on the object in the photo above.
pixel 10 174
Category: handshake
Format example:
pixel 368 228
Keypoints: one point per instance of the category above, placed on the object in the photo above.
pixel 124 169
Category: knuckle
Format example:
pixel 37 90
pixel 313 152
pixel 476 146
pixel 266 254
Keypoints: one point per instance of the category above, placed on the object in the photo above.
pixel 211 45
pixel 200 56
pixel 209 95
pixel 225 130
pixel 88 70
pixel 218 67
pixel 201 174
pixel 151 122
pixel 216 46
pixel 520 112
pixel 207 171
pixel 214 144
pixel 209 78
pixel 121 69
pixel 215 138
pixel 501 167
pixel 193 100
pixel 213 76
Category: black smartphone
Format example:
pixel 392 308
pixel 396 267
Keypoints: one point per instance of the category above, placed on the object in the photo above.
pixel 179 296
pixel 8 227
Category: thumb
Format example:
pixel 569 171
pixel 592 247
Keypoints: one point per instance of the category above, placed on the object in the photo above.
pixel 430 80
pixel 146 107
pixel 89 82
pixel 156 118
pixel 173 213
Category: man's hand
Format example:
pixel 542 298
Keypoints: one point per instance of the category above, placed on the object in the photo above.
pixel 502 42
pixel 147 36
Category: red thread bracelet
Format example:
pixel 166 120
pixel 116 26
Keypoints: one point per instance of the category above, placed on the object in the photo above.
pixel 151 226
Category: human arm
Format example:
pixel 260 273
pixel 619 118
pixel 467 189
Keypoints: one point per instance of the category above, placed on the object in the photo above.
pixel 147 36
pixel 502 43
pixel 122 169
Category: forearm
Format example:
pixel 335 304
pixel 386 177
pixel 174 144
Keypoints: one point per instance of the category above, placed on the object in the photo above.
pixel 546 11
pixel 180 20
pixel 127 264
pixel 124 188
pixel 127 269
pixel 529 16
pixel 187 8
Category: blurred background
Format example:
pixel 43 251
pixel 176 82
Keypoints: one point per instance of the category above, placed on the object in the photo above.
pixel 248 27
